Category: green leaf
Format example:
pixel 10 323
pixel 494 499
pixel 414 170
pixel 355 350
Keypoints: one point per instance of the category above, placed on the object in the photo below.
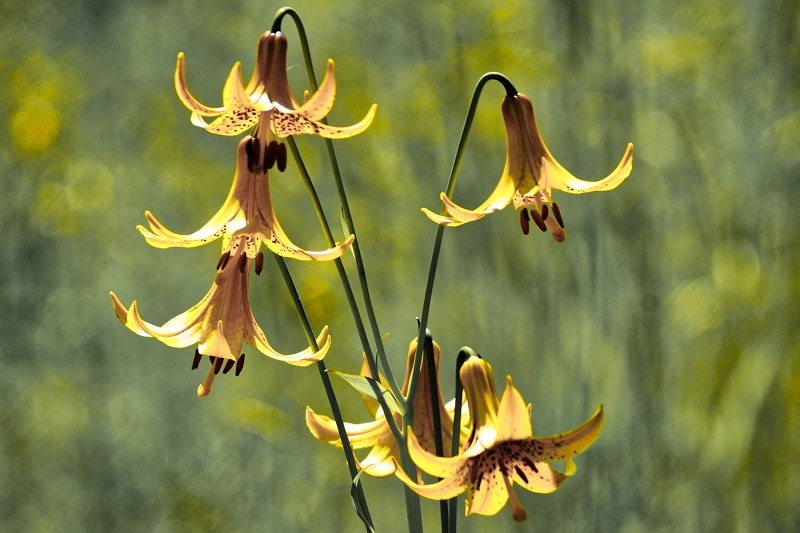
pixel 371 388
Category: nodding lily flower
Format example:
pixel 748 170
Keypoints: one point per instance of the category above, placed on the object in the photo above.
pixel 267 101
pixel 500 451
pixel 220 323
pixel 247 212
pixel 384 453
pixel 530 174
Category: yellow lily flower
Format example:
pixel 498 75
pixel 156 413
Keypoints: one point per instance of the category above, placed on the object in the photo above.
pixel 500 451
pixel 384 454
pixel 220 323
pixel 267 101
pixel 248 212
pixel 530 174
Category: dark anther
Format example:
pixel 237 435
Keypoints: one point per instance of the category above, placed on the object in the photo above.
pixel 223 260
pixel 228 365
pixel 557 214
pixel 252 148
pixel 197 357
pixel 259 263
pixel 239 364
pixel 212 359
pixel 280 157
pixel 545 212
pixel 242 262
pixel 524 221
pixel 218 365
pixel 269 157
pixel 537 217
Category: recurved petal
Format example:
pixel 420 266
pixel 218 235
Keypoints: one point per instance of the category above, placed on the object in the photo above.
pixel 302 358
pixel 186 97
pixel 445 489
pixel 379 462
pixel 526 466
pixel 317 106
pixel 566 445
pixel 240 114
pixel 287 122
pixel 513 417
pixel 497 200
pixel 360 435
pixel 280 244
pixel 159 236
pixel 557 177
pixel 441 467
pixel 489 495
pixel 178 332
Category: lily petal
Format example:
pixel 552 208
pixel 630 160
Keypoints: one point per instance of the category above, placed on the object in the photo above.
pixel 513 415
pixel 186 97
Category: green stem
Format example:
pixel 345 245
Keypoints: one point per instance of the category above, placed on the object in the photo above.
pixel 346 214
pixel 337 414
pixel 433 390
pixel 452 504
pixel 437 244
pixel 413 511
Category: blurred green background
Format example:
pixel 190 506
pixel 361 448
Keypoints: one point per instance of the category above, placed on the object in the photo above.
pixel 674 300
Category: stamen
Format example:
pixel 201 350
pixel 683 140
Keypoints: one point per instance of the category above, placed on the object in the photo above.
pixel 228 365
pixel 212 359
pixel 204 389
pixel 545 212
pixel 537 217
pixel 218 365
pixel 242 262
pixel 259 263
pixel 557 214
pixel 240 364
pixel 524 221
pixel 517 511
pixel 269 157
pixel 252 150
pixel 223 260
pixel 197 357
pixel 280 157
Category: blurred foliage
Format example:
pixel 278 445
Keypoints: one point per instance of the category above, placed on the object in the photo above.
pixel 674 301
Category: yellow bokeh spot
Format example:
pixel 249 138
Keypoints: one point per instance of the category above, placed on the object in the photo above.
pixel 35 126
pixel 736 269
pixel 50 213
pixel 694 307
pixel 89 185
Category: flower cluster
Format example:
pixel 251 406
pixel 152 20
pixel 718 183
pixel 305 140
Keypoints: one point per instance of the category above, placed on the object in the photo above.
pixel 223 320
pixel 482 445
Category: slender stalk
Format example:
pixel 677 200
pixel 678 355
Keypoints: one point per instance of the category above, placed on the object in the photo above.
pixel 452 503
pixel 337 414
pixel 433 390
pixel 437 244
pixel 346 213
pixel 413 511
